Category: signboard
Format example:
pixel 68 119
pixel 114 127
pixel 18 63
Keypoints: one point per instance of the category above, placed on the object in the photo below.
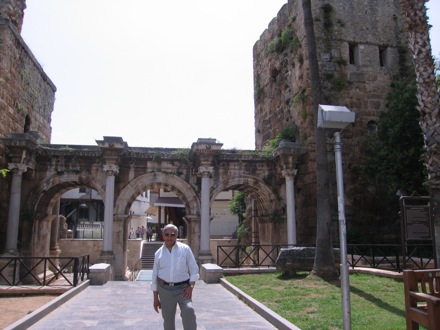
pixel 417 218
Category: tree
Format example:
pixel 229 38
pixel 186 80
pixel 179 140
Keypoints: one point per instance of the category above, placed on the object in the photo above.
pixel 4 172
pixel 417 30
pixel 324 263
pixel 393 155
pixel 237 206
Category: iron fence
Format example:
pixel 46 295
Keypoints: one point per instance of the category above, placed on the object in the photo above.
pixel 238 256
pixel 395 257
pixel 17 271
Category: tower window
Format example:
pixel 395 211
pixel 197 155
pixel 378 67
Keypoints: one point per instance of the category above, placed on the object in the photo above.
pixel 27 124
pixel 353 51
pixel 382 56
pixel 372 126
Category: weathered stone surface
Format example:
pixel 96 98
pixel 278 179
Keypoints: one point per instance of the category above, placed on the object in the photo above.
pixel 358 45
pixel 299 259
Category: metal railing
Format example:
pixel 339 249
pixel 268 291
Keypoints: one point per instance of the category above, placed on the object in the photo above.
pixel 395 257
pixel 18 271
pixel 238 256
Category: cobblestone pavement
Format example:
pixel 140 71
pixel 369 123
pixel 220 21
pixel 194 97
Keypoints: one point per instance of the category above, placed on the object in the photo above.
pixel 129 305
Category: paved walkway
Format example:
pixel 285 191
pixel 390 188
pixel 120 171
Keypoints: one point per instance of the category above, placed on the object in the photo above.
pixel 129 305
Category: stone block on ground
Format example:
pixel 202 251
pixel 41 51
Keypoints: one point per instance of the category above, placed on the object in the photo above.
pixel 211 273
pixel 299 259
pixel 100 274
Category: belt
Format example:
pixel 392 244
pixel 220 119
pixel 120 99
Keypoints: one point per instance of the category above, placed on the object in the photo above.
pixel 162 282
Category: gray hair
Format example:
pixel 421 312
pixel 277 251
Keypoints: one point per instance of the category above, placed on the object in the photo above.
pixel 170 226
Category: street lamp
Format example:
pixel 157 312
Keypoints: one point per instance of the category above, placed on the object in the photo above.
pixel 338 117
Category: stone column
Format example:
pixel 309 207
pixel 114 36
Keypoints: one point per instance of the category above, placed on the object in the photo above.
pixel 14 207
pixel 192 226
pixel 41 241
pixel 255 228
pixel 120 248
pixel 111 171
pixel 54 232
pixel 290 200
pixel 205 254
pixel 54 250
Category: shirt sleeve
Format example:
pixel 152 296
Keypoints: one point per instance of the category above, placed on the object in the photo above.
pixel 155 270
pixel 193 268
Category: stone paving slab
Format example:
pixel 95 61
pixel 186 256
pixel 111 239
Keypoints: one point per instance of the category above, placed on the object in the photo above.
pixel 129 305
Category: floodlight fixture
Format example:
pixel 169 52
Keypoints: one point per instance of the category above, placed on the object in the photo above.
pixel 334 116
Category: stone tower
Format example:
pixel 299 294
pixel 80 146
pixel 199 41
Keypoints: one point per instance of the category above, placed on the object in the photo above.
pixel 13 10
pixel 360 48
pixel 27 95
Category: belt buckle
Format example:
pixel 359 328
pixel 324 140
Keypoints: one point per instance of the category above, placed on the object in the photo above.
pixel 170 284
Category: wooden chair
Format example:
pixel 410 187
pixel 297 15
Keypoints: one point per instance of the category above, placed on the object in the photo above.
pixel 422 298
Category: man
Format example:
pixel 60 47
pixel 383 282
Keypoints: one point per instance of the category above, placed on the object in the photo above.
pixel 175 273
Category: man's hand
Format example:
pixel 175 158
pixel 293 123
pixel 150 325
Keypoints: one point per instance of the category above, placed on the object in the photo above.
pixel 156 302
pixel 187 292
pixel 157 305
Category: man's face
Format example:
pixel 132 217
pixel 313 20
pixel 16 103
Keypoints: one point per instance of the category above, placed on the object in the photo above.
pixel 170 237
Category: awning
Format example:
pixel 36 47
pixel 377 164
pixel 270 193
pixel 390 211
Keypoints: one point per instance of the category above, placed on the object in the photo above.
pixel 169 202
pixel 152 210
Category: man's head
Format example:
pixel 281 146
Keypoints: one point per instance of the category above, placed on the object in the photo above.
pixel 169 233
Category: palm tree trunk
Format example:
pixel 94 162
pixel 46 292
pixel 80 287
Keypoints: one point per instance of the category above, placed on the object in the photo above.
pixel 417 30
pixel 324 264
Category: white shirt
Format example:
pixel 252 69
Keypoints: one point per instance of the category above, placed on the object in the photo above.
pixel 176 266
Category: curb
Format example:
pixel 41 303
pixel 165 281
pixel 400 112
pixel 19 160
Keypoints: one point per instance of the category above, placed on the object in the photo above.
pixel 278 321
pixel 37 315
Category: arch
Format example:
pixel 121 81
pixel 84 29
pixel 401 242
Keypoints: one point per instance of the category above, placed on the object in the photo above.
pixel 254 187
pixel 182 189
pixel 41 200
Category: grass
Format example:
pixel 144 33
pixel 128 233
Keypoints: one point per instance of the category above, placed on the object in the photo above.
pixel 310 302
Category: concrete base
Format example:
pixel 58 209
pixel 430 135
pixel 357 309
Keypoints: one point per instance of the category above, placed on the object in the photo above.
pixel 100 274
pixel 108 258
pixel 211 273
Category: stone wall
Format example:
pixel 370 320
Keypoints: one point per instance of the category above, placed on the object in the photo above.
pixel 93 248
pixel 27 95
pixel 14 10
pixel 358 48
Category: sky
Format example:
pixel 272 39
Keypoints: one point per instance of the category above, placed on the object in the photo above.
pixel 156 73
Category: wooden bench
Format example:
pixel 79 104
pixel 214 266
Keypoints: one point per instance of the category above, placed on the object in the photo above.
pixel 422 298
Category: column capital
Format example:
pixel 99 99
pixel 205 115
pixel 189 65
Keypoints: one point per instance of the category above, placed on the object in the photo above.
pixel 17 168
pixel 289 174
pixel 111 169
pixel 206 170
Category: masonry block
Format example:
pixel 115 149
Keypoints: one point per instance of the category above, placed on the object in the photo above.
pixel 211 273
pixel 100 274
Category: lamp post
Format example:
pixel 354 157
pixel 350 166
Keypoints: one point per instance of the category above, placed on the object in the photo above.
pixel 338 117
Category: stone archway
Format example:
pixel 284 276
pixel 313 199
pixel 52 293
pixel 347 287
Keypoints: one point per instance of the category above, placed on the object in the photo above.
pixel 120 173
pixel 41 209
pixel 180 187
pixel 265 204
